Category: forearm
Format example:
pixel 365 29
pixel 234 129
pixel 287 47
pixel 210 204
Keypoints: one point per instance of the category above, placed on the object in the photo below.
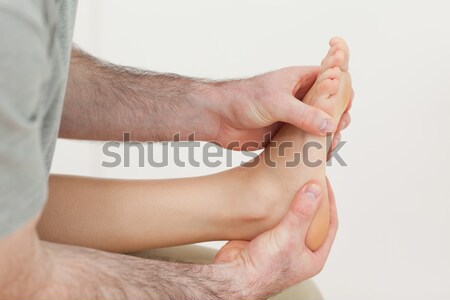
pixel 126 215
pixel 81 273
pixel 42 270
pixel 103 101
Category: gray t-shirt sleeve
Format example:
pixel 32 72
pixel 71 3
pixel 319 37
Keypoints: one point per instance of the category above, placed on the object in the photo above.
pixel 23 177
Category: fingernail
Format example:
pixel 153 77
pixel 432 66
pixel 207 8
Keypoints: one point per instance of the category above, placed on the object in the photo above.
pixel 337 140
pixel 344 124
pixel 327 126
pixel 312 191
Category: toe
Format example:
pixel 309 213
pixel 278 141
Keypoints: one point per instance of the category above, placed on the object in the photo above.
pixel 328 87
pixel 339 44
pixel 333 73
pixel 340 50
pixel 337 40
pixel 335 60
pixel 341 60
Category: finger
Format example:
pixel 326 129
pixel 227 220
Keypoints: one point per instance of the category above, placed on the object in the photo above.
pixel 293 227
pixel 305 78
pixel 306 117
pixel 336 140
pixel 329 153
pixel 324 250
pixel 345 118
pixel 230 251
pixel 350 103
pixel 344 122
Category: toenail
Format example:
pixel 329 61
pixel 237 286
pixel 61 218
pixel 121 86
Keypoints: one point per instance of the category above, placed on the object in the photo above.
pixel 327 126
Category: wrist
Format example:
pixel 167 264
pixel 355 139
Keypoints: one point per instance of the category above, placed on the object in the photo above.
pixel 229 96
pixel 238 282
pixel 195 110
pixel 24 265
pixel 228 105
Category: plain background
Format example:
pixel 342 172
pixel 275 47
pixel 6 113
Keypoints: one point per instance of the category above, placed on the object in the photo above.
pixel 394 196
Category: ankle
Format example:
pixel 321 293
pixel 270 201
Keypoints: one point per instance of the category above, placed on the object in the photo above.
pixel 258 207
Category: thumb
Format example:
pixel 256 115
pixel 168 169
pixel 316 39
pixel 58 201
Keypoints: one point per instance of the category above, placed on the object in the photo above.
pixel 294 227
pixel 306 117
pixel 230 251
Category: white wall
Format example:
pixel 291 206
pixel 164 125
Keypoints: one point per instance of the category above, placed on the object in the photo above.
pixel 394 197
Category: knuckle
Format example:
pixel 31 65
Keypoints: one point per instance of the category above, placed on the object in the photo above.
pixel 281 110
pixel 310 113
pixel 300 114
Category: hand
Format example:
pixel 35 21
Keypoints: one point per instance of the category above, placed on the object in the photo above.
pixel 279 258
pixel 250 109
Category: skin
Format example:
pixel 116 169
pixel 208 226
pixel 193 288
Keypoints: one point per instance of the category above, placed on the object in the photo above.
pixel 151 214
pixel 258 269
pixel 104 101
pixel 285 245
pixel 332 93
pixel 129 215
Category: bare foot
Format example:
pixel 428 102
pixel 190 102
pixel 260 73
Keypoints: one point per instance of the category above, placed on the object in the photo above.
pixel 305 159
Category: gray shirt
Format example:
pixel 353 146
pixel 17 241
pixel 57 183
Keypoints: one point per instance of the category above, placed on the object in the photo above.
pixel 35 43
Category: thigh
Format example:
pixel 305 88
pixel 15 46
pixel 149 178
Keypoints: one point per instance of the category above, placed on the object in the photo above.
pixel 306 290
